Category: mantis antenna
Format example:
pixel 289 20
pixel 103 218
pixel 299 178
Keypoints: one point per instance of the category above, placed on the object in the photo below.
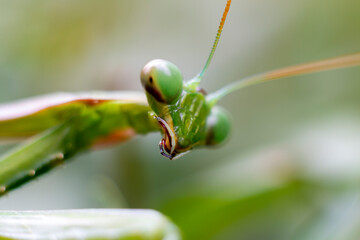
pixel 194 83
pixel 328 64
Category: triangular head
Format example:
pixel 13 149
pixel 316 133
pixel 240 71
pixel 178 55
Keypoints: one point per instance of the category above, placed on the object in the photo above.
pixel 186 117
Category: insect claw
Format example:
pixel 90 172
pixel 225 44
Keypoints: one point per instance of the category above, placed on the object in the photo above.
pixel 168 143
pixel 163 151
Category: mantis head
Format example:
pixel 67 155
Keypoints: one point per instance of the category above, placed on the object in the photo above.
pixel 187 117
pixel 184 114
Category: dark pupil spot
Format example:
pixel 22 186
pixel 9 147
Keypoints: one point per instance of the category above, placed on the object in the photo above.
pixel 151 80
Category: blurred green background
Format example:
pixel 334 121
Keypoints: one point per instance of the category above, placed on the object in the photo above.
pixel 291 169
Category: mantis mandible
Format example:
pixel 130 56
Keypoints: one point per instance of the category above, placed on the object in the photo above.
pixel 64 124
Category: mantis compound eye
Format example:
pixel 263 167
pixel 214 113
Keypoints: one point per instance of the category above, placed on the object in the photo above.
pixel 217 126
pixel 162 80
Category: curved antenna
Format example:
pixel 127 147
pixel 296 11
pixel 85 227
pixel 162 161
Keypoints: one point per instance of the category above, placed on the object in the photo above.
pixel 196 81
pixel 328 64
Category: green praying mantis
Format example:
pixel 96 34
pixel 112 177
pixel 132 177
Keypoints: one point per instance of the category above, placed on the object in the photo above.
pixel 61 125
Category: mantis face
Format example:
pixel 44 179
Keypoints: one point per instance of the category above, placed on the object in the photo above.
pixel 186 118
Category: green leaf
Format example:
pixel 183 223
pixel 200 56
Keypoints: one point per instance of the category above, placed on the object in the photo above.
pixel 87 224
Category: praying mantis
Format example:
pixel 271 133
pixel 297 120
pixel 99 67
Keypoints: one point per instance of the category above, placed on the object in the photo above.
pixel 59 126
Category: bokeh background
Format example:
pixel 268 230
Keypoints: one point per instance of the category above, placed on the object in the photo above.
pixel 291 168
